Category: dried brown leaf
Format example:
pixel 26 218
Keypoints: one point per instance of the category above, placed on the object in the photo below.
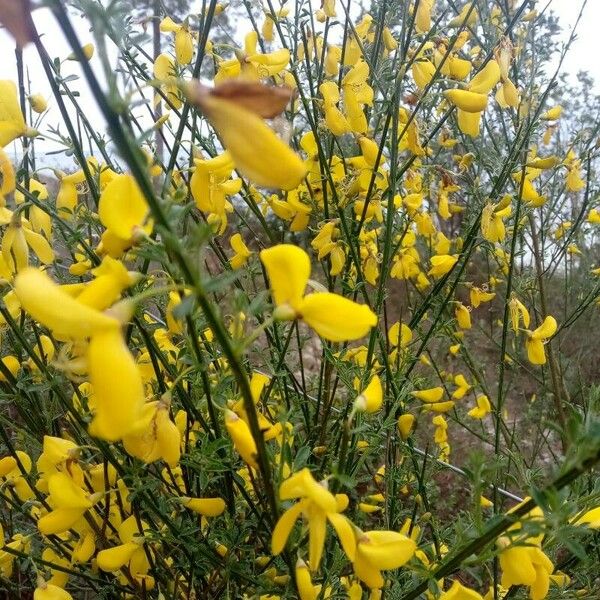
pixel 15 15
pixel 264 100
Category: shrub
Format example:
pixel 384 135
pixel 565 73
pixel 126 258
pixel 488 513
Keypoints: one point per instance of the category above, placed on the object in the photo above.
pixel 314 320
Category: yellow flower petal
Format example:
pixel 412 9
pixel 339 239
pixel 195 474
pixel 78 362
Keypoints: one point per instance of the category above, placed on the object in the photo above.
pixel 122 208
pixel 486 79
pixel 430 396
pixel 47 303
pixel 591 518
pixel 59 520
pixel 112 559
pixel 336 318
pixel 209 507
pixel 468 123
pixel 535 351
pixel 242 438
pixel 387 549
pixel 8 183
pixel 460 592
pixel 405 425
pixel 288 269
pixel 117 384
pixel 12 123
pixel 345 533
pixel 66 494
pixel 467 101
pixel 50 591
pixel 546 329
pixel 306 590
pixel 283 528
pixel 316 532
pixel 371 398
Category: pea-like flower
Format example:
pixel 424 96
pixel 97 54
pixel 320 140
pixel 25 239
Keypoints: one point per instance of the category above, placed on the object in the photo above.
pixel 332 316
pixel 537 338
pixel 378 551
pixel 318 506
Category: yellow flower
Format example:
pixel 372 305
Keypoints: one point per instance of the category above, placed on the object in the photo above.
pixel 207 507
pixel 130 552
pixel 467 101
pixel 431 399
pixel 459 592
pixel 405 425
pixel 399 335
pixel 486 79
pixel 517 311
pixel 325 245
pixel 553 114
pixel 431 395
pixel 47 303
pixel 38 103
pixel 478 296
pixel 462 387
pixel 240 434
pixel 318 505
pixel 466 17
pixel 389 41
pixel 591 518
pixel 118 390
pixel 482 409
pixel 441 429
pixel 242 253
pixel 156 436
pixel 111 278
pixel 485 502
pixel 16 242
pixel 463 316
pixel 333 317
pixel 306 589
pixel 117 384
pixel 88 52
pixel 442 264
pixel 12 122
pixel 256 151
pixel 593 216
pixel 378 551
pixel 537 338
pixel 492 220
pixel 69 502
pixel 184 46
pixel 371 398
pixel 423 71
pixel 525 565
pixel 49 591
pixel 7 186
pixel 469 123
pixel 112 559
pixel 423 16
pixel 329 8
pixel 122 208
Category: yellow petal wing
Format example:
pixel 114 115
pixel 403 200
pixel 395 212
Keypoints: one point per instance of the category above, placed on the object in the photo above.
pixel 47 303
pixel 288 269
pixel 117 384
pixel 122 207
pixel 336 318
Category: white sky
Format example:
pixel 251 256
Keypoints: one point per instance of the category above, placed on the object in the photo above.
pixel 583 55
pixel 584 52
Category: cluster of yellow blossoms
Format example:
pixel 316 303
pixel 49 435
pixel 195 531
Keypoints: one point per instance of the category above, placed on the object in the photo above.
pixel 168 431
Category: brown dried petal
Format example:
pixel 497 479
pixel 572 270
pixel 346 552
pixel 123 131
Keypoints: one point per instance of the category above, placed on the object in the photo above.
pixel 15 15
pixel 264 100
